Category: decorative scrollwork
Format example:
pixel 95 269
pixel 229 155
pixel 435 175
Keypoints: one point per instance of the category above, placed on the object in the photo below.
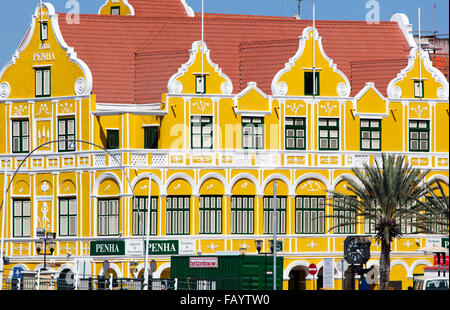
pixel 343 90
pixel 282 89
pixel 80 86
pixel 5 90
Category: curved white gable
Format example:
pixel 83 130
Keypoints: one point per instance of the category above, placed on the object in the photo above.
pixel 83 85
pixel 281 88
pixel 395 92
pixel 176 87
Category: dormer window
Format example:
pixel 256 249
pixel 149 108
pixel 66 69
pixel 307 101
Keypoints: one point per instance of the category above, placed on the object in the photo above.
pixel 418 89
pixel 312 84
pixel 44 31
pixel 200 84
pixel 115 10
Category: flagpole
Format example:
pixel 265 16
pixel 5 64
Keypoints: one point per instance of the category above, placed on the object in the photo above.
pixel 203 34
pixel 420 55
pixel 314 50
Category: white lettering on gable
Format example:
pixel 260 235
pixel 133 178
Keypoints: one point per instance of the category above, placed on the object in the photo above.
pixel 46 56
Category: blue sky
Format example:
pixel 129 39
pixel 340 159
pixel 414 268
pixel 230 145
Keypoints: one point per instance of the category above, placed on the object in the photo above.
pixel 15 16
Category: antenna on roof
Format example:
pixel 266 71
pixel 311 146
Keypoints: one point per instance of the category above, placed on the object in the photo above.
pixel 314 50
pixel 40 8
pixel 203 26
pixel 435 31
pixel 420 51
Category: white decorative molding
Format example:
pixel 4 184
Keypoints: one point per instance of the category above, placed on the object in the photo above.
pixel 189 11
pixel 419 109
pixel 175 87
pixel 80 86
pixel 5 90
pixel 280 88
pixel 442 92
pixel 405 27
pixel 226 88
pixel 294 107
pixel 395 92
pixel 343 90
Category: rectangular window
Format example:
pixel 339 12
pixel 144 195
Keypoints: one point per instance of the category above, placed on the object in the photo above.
pixel 140 207
pixel 108 217
pixel 115 10
pixel 252 132
pixel 312 86
pixel 112 138
pixel 295 133
pixel 151 137
pixel 201 132
pixel 369 223
pixel 419 136
pixel 370 135
pixel 66 134
pixel 418 89
pixel 328 134
pixel 242 214
pixel 308 212
pixel 20 136
pixel 200 84
pixel 210 215
pixel 345 215
pixel 44 31
pixel 68 217
pixel 178 215
pixel 268 214
pixel 22 218
pixel 42 82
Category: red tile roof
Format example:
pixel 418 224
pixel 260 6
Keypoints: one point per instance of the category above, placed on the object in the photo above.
pixel 132 57
pixel 441 62
pixel 158 8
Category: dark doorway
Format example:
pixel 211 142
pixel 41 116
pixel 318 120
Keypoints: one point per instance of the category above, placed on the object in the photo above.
pixel 297 280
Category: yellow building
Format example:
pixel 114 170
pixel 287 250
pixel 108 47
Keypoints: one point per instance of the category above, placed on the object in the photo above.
pixel 109 102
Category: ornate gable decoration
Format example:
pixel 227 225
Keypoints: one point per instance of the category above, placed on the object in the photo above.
pixel 435 85
pixel 188 78
pixel 369 102
pixel 290 80
pixel 44 47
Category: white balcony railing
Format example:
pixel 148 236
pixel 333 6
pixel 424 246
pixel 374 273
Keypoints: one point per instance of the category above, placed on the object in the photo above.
pixel 140 158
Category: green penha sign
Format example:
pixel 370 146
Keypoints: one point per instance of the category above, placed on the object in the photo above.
pixel 107 247
pixel 163 247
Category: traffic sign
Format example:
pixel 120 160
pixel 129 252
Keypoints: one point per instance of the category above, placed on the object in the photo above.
pixel 17 272
pixel 312 269
pixel 341 265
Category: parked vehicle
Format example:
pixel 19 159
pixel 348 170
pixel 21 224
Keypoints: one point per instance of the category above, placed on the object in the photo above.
pixel 421 283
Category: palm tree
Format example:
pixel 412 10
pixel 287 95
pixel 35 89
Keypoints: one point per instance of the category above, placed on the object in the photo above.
pixel 434 210
pixel 383 195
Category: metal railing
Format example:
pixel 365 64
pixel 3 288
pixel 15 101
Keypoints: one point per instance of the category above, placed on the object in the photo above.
pixel 48 282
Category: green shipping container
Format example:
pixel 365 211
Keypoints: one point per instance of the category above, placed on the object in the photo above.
pixel 226 272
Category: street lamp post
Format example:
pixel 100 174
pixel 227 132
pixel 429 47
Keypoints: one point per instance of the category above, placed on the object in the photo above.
pixel 46 238
pixel 259 245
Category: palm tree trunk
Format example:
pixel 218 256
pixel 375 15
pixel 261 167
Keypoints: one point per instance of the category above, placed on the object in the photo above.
pixel 385 264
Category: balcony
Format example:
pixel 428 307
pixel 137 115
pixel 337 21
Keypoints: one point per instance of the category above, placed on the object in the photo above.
pixel 264 159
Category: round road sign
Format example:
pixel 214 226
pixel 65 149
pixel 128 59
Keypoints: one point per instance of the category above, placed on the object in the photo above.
pixel 312 269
